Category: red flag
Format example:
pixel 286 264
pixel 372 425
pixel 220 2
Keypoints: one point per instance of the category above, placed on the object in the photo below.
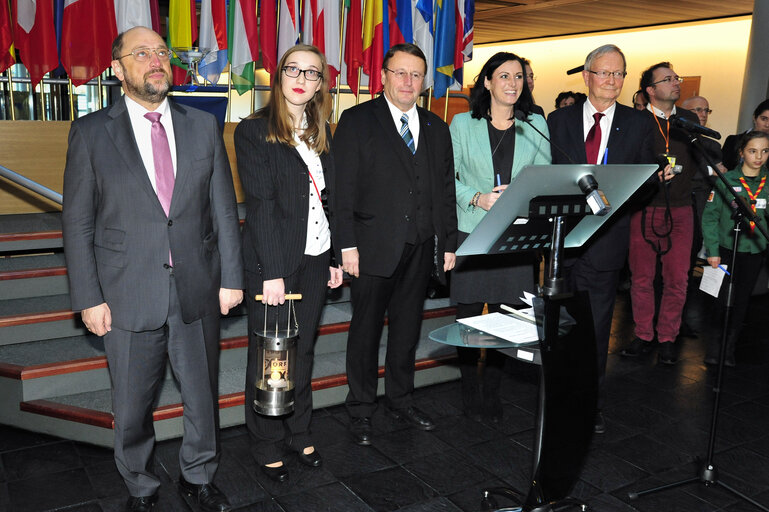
pixel 155 15
pixel 268 35
pixel 88 29
pixel 353 43
pixel 35 37
pixel 6 37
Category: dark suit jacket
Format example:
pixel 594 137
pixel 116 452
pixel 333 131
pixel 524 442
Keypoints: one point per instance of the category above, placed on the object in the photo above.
pixel 630 142
pixel 117 236
pixel 275 180
pixel 374 183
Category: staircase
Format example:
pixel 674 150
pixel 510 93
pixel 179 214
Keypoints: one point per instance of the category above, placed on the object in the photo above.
pixel 53 373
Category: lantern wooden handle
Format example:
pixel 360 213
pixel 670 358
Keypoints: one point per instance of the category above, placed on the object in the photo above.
pixel 289 296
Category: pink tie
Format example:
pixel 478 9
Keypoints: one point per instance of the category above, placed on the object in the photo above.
pixel 592 142
pixel 164 166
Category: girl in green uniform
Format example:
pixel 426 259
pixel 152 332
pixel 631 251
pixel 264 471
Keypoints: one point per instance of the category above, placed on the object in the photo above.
pixel 749 181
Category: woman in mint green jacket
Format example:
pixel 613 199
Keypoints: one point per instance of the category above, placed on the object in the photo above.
pixel 749 180
pixel 490 149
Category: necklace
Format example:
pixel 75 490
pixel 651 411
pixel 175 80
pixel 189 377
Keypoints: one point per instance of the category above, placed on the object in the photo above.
pixel 501 138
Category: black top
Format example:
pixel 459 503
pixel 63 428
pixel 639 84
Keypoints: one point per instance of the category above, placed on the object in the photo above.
pixel 502 151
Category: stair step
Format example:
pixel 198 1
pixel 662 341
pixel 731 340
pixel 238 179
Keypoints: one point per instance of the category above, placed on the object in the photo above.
pixel 30 231
pixel 33 276
pixel 95 407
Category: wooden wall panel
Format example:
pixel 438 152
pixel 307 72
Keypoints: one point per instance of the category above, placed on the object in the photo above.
pixel 38 150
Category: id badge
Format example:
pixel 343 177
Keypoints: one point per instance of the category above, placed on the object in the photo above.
pixel 761 203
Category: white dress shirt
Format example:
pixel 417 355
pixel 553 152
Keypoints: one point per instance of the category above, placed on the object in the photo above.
pixel 142 133
pixel 588 121
pixel 318 233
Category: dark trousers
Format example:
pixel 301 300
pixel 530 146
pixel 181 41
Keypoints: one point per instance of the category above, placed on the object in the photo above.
pixel 137 364
pixel 746 268
pixel 268 433
pixel 479 389
pixel 402 297
pixel 601 286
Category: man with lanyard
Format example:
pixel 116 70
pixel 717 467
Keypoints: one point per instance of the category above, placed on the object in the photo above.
pixel 662 229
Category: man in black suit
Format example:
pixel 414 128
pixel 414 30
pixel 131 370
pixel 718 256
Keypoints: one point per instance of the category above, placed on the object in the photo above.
pixel 585 132
pixel 395 215
pixel 153 255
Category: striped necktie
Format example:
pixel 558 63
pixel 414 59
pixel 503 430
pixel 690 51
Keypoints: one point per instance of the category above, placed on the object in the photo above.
pixel 406 134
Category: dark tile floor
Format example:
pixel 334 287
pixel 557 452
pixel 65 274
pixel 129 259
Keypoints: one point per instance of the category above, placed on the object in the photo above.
pixel 658 420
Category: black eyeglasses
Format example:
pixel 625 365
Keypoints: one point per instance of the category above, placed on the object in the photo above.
pixel 700 110
pixel 669 79
pixel 618 75
pixel 310 75
pixel 145 54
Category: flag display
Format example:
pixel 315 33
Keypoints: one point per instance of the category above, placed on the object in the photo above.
pixel 445 35
pixel 423 34
pixel 88 29
pixel 35 37
pixel 132 13
pixel 353 42
pixel 7 57
pixel 288 26
pixel 268 34
pixel 182 32
pixel 376 41
pixel 78 36
pixel 213 37
pixel 242 44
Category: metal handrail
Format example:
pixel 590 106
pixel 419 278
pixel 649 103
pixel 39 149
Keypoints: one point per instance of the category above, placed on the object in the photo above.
pixel 30 185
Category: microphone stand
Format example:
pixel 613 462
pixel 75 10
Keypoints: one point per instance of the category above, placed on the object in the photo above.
pixel 708 473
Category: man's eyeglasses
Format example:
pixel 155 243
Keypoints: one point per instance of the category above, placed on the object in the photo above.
pixel 145 54
pixel 401 74
pixel 618 75
pixel 700 110
pixel 669 79
pixel 311 75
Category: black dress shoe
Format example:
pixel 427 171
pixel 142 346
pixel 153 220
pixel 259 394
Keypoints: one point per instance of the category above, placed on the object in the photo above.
pixel 360 428
pixel 311 459
pixel 413 417
pixel 600 424
pixel 276 474
pixel 141 503
pixel 667 353
pixel 207 496
pixel 636 348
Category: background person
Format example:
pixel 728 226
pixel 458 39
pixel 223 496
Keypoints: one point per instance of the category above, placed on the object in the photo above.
pixel 731 144
pixel 490 149
pixel 285 164
pixel 748 180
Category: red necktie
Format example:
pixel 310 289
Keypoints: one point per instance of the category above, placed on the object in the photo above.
pixel 593 141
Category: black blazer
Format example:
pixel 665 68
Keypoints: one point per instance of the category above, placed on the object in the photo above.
pixel 117 236
pixel 373 185
pixel 276 181
pixel 630 142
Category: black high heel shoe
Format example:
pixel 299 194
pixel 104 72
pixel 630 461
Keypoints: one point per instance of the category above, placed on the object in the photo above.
pixel 311 459
pixel 276 474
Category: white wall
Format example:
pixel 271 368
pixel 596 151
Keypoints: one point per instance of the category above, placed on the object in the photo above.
pixel 716 51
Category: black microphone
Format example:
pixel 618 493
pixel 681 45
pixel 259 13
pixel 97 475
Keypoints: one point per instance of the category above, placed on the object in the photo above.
pixel 575 70
pixel 693 127
pixel 521 116
pixel 587 183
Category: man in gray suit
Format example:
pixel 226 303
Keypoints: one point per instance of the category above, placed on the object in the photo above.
pixel 153 255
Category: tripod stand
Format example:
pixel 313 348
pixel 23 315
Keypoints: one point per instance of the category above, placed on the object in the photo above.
pixel 708 473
